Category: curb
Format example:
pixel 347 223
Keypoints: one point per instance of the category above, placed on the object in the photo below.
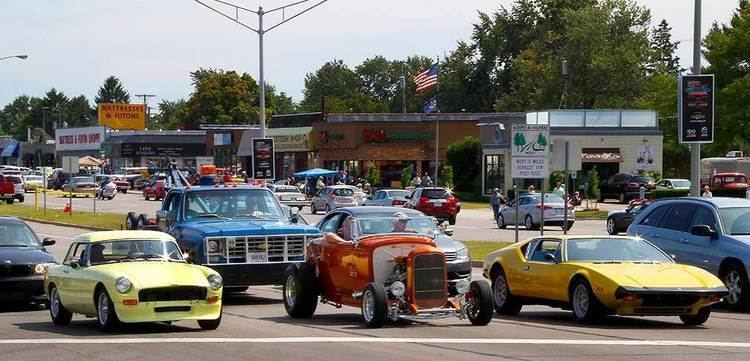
pixel 477 264
pixel 63 224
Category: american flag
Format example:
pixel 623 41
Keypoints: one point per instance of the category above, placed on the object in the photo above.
pixel 427 78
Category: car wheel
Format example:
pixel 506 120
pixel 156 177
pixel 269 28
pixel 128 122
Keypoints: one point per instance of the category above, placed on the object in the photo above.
pixel 9 201
pixel 452 220
pixel 586 307
pixel 130 221
pixel 142 222
pixel 210 324
pixel 20 199
pixel 500 221
pixel 313 210
pixel 622 198
pixel 299 291
pixel 697 319
pixel 60 315
pixel 505 303
pixel 374 305
pixel 611 229
pixel 328 208
pixel 106 316
pixel 528 222
pixel 125 191
pixel 480 304
pixel 570 225
pixel 300 208
pixel 735 279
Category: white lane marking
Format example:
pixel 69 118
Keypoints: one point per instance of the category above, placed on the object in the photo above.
pixel 486 341
pixel 53 236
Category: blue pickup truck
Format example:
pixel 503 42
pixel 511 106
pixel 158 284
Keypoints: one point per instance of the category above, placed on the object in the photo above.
pixel 240 231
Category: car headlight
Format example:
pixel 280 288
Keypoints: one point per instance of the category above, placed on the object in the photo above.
pixel 123 284
pixel 213 246
pixel 462 286
pixel 398 288
pixel 462 253
pixel 40 269
pixel 215 281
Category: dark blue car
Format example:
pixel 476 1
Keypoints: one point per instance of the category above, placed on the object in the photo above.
pixel 23 259
pixel 710 233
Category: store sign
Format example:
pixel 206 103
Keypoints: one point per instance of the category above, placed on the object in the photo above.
pixel 87 138
pixel 385 136
pixel 325 136
pixel 644 157
pixel 263 159
pixel 291 143
pixel 122 116
pixel 530 151
pixel 222 139
pixel 696 108
pixel 161 150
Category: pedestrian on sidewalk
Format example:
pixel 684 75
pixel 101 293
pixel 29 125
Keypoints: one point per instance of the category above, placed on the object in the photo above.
pixel 559 190
pixel 496 200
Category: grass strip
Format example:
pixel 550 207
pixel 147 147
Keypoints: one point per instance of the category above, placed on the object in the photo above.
pixel 78 218
pixel 479 249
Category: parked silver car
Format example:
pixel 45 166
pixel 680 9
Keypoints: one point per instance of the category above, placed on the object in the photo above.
pixel 359 195
pixel 333 197
pixel 530 211
pixel 290 196
pixel 80 185
pixel 388 197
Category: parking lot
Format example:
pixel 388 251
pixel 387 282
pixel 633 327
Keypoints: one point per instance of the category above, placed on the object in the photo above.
pixel 256 326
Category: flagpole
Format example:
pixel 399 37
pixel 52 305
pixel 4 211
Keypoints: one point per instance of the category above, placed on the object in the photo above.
pixel 437 124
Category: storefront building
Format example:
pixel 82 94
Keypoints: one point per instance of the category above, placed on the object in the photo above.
pixel 80 142
pixel 158 148
pixel 611 141
pixel 392 141
pixel 293 150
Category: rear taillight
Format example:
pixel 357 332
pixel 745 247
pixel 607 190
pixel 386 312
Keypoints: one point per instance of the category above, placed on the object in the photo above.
pixel 333 198
pixel 570 207
pixel 652 186
pixel 633 185
pixel 546 207
pixel 423 200
pixel 398 202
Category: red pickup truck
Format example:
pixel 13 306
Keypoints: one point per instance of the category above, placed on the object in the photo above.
pixel 7 190
pixel 729 181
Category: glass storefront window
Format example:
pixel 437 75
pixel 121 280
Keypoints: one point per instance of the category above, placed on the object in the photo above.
pixel 566 119
pixel 639 119
pixel 494 172
pixel 603 119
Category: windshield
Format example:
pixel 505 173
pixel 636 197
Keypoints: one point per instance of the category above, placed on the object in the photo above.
pixel 16 180
pixel 344 192
pixel 232 203
pixel 736 220
pixel 33 178
pixel 130 250
pixel 681 184
pixel 286 190
pixel 614 250
pixel 398 194
pixel 436 194
pixel 14 234
pixel 380 223
pixel 83 180
pixel 548 198
pixel 642 179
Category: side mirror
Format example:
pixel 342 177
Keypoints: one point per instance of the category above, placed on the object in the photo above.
pixel 74 264
pixel 294 217
pixel 48 242
pixel 703 230
pixel 550 257
pixel 448 232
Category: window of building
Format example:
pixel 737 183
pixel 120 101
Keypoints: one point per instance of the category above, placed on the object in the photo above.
pixel 494 172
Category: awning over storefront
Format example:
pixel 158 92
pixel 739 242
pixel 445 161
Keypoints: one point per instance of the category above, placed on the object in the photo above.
pixel 601 155
pixel 315 172
pixel 89 161
pixel 188 145
pixel 10 150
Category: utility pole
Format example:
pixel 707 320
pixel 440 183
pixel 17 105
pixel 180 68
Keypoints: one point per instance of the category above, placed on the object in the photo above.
pixel 260 31
pixel 402 82
pixel 695 148
pixel 145 105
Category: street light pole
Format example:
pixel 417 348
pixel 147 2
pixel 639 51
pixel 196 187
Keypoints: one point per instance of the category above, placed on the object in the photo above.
pixel 695 148
pixel 260 31
pixel 22 57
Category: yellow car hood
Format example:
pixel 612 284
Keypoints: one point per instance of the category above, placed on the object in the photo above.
pixel 654 275
pixel 149 274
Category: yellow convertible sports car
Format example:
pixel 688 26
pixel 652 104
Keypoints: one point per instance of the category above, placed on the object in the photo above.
pixel 132 276
pixel 598 275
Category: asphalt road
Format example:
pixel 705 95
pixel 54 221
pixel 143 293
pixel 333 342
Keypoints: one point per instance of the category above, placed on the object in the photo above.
pixel 255 326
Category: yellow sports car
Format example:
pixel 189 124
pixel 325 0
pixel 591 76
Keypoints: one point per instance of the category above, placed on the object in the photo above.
pixel 598 275
pixel 132 276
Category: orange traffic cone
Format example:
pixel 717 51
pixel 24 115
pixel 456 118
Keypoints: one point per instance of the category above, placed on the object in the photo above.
pixel 66 208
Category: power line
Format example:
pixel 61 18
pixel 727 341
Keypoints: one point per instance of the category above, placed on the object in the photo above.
pixel 145 104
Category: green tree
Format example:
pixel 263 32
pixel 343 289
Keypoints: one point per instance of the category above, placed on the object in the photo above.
pixel 663 50
pixel 446 176
pixel 78 112
pixel 112 91
pixel 593 179
pixel 728 50
pixel 334 81
pixel 464 157
pixel 541 140
pixel 406 174
pixel 372 175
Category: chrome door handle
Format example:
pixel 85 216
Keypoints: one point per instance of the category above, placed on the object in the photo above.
pixel 525 268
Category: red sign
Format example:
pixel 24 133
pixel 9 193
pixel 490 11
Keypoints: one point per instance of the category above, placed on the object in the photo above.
pixel 374 136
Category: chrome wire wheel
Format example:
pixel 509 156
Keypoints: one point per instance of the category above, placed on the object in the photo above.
pixel 581 301
pixel 500 291
pixel 529 223
pixel 611 226
pixel 128 223
pixel 102 309
pixel 733 282
pixel 54 304
pixel 368 306
pixel 290 291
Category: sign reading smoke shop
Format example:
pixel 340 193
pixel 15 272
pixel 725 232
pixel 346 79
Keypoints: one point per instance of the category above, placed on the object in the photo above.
pixel 86 138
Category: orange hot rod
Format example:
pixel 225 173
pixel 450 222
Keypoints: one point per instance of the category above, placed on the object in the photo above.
pixel 388 266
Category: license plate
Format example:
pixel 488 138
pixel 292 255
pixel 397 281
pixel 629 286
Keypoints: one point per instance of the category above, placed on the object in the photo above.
pixel 257 257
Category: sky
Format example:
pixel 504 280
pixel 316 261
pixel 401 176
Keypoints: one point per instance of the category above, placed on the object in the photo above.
pixel 152 45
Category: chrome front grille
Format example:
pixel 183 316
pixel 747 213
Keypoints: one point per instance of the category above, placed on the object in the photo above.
pixel 256 249
pixel 450 256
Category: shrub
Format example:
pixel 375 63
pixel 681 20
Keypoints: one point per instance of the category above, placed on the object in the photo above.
pixel 372 175
pixel 593 191
pixel 406 175
pixel 554 177
pixel 446 176
pixel 464 157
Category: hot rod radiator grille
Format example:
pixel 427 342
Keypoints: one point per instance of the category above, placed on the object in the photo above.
pixel 175 293
pixel 255 249
pixel 429 280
